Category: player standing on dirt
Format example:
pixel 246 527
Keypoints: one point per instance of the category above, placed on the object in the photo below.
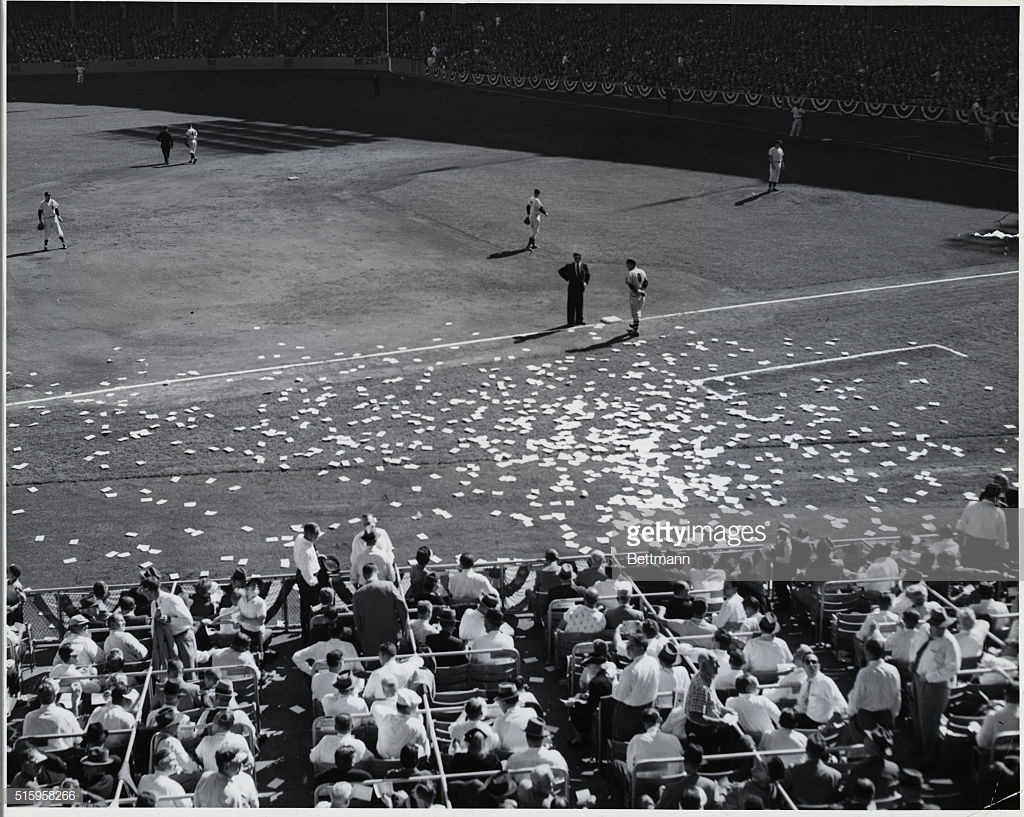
pixel 191 140
pixel 534 210
pixel 49 220
pixel 636 280
pixel 775 165
pixel 166 143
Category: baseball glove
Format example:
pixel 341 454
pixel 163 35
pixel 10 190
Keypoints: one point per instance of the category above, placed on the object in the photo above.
pixel 526 220
pixel 39 226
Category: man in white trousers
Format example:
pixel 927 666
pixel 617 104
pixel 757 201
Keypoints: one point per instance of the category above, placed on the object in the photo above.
pixel 49 220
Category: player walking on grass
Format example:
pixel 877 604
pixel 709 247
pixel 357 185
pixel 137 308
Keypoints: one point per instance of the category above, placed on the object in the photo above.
pixel 636 280
pixel 775 165
pixel 534 210
pixel 166 143
pixel 49 220
pixel 191 140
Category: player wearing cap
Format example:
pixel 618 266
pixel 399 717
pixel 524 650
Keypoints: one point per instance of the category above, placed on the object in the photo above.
pixel 776 158
pixel 534 210
pixel 49 220
pixel 636 281
pixel 191 141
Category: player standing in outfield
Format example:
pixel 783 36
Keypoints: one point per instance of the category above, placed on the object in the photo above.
pixel 775 165
pixel 166 143
pixel 636 280
pixel 534 210
pixel 80 71
pixel 191 140
pixel 49 220
pixel 798 120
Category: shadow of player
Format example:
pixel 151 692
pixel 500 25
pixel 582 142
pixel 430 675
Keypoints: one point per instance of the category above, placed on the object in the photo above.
pixel 160 164
pixel 507 253
pixel 751 198
pixel 27 252
pixel 604 344
pixel 542 334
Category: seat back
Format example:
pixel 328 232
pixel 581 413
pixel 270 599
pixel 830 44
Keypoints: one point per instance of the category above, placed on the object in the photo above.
pixel 448 679
pixel 456 697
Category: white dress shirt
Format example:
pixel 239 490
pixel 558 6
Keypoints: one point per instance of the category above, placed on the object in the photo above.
pixel 324 751
pixel 766 652
pixel 306 560
pixel 877 688
pixel 756 713
pixel 936 660
pixel 819 698
pixel 469 584
pixel 638 682
pixel 731 611
pixel 401 670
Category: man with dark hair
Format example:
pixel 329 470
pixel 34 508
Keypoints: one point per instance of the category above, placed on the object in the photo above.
pixel 876 697
pixel 814 782
pixel 380 612
pixel 329 744
pixel 693 758
pixel 860 795
pixel 307 572
pixel 877 767
pixel 446 641
pixel 624 611
pixel 534 210
pixel 228 786
pixel 166 143
pixel 346 768
pixel 577 274
pixel 418 573
pixel 469 584
pixel 636 282
pixel 785 737
pixel 637 689
pixel 173 624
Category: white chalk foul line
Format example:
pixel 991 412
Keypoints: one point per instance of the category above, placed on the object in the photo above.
pixel 702 380
pixel 454 345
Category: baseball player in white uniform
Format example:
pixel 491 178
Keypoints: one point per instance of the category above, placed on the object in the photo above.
pixel 636 280
pixel 191 140
pixel 798 120
pixel 49 220
pixel 775 165
pixel 534 210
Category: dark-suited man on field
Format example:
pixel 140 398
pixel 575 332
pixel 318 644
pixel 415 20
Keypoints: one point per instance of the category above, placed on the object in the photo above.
pixel 380 612
pixel 578 275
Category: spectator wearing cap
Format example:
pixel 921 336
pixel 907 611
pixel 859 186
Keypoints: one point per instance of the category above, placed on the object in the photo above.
pixel 379 610
pixel 813 781
pixel 982 526
pixel 401 727
pixel 565 589
pixel 510 725
pixel 473 716
pixel 237 653
pixel 730 615
pixel 132 649
pixel 819 701
pixel 335 641
pixel 87 651
pixel 473 623
pixel 876 697
pixel 594 572
pixel 161 784
pixel 493 638
pixel 1004 719
pixel 420 568
pixel 693 759
pixel 757 714
pixel 468 584
pixel 935 666
pixel 623 610
pixel 585 617
pixel 536 752
pixel 673 679
pixel 765 652
pixel 402 671
pixel 636 690
pixel 168 721
pixel 877 767
pixel 219 735
pixel 446 641
pixel 224 700
pixel 227 785
pixel 329 744
pixel 344 697
pixel 785 737
pixel 53 719
pixel 173 633
pixel 421 626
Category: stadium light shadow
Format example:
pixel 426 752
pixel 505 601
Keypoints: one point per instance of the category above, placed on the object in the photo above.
pixel 507 253
pixel 752 198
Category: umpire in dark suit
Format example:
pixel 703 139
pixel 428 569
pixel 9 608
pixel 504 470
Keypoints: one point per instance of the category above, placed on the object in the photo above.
pixel 578 275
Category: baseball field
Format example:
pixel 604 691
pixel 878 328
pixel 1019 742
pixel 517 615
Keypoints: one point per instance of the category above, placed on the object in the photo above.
pixel 332 313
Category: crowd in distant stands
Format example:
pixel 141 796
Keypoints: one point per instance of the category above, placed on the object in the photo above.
pixel 717 667
pixel 890 54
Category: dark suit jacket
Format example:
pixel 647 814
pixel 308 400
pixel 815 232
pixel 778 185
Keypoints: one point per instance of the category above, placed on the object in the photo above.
pixel 439 642
pixel 568 272
pixel 380 615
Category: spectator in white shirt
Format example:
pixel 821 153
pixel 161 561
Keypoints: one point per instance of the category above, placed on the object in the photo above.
pixel 882 566
pixel 785 737
pixel 421 626
pixel 493 638
pixel 472 625
pixel 161 784
pixel 971 633
pixel 585 617
pixel 730 616
pixel 673 679
pixel 345 697
pixel 877 694
pixel 765 652
pixel 306 658
pixel 307 572
pixel 935 666
pixel 66 671
pixel 234 655
pixel 757 714
pixel 987 604
pixel 371 537
pixel 946 543
pixel 402 727
pixel 468 584
pixel 636 689
pixel 87 651
pixel 220 737
pixel 983 527
pixel 172 621
pixel 536 752
pixel 402 671
pixel 128 644
pixel 323 752
pixel 53 719
pixel 651 743
pixel 1004 719
pixel 819 701
pixel 878 618
pixel 510 725
pixel 322 683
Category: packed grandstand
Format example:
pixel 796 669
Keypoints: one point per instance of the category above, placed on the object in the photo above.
pixel 872 54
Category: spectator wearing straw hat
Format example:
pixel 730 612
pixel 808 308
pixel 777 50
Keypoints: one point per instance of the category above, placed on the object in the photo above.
pixel 565 589
pixel 224 699
pixel 227 785
pixel 510 725
pixel 161 784
pixel 401 727
pixel 87 651
pixel 344 697
pixel 536 752
pixel 167 721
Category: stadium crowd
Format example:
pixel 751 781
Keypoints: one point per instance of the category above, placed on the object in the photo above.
pixel 873 54
pixel 715 689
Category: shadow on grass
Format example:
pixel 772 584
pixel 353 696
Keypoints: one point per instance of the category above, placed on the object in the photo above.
pixel 23 254
pixel 604 344
pixel 161 164
pixel 752 198
pixel 507 253
pixel 542 334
